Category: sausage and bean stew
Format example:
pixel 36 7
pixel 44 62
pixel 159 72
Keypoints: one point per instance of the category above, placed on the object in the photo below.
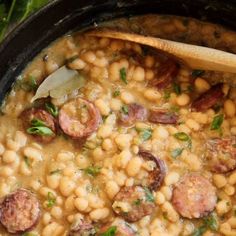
pixel 111 138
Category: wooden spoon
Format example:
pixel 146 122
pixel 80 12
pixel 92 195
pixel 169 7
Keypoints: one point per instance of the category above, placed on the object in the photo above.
pixel 196 57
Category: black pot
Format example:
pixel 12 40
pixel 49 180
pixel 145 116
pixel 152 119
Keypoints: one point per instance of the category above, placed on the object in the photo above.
pixel 62 16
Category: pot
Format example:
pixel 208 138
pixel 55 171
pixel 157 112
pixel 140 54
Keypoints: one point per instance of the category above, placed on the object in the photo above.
pixel 63 16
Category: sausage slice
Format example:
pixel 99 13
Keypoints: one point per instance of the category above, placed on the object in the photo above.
pixel 162 117
pixel 168 71
pixel 194 196
pixel 155 177
pixel 82 228
pixel 221 154
pixel 133 203
pixel 122 228
pixel 31 114
pixel 79 118
pixel 135 112
pixel 209 98
pixel 19 211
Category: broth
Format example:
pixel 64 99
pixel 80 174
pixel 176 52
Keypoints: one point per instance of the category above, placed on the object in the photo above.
pixel 134 147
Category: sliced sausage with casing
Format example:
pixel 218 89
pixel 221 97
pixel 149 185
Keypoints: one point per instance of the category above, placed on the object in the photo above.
pixel 162 117
pixel 168 71
pixel 19 211
pixel 79 118
pixel 221 154
pixel 133 203
pixel 194 196
pixel 135 112
pixel 82 228
pixel 38 114
pixel 209 98
pixel 157 175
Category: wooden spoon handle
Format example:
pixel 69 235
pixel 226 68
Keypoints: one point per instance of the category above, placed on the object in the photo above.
pixel 197 57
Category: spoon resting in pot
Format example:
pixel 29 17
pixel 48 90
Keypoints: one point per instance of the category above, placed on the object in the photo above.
pixel 196 57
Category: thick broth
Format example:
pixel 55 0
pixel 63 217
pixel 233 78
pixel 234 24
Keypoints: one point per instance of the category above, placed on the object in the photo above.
pixel 74 180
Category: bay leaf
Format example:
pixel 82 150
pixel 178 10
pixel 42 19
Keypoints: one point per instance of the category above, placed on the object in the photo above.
pixel 59 83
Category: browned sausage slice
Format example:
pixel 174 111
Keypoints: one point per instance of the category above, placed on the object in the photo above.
pixel 122 228
pixel 82 228
pixel 133 203
pixel 209 98
pixel 168 71
pixel 162 117
pixel 79 118
pixel 194 196
pixel 19 211
pixel 135 112
pixel 221 154
pixel 31 114
pixel 155 177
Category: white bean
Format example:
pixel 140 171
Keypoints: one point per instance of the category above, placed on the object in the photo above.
pixel 99 214
pixel 67 186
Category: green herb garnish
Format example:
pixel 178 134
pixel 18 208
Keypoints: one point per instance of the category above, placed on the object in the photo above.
pixel 52 109
pixel 217 122
pixel 110 232
pixel 37 122
pixel 92 170
pixel 184 137
pixel 40 130
pixel 137 202
pixel 33 83
pixel 209 222
pixel 116 93
pixel 51 200
pixel 181 136
pixel 125 109
pixel 176 152
pixel 27 85
pixel 148 195
pixel 197 73
pixel 199 231
pixel 145 134
pixel 123 75
pixel 177 88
